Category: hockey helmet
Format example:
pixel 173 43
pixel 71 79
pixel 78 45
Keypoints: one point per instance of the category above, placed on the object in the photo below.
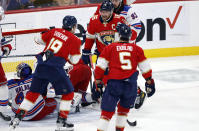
pixel 124 30
pixel 107 6
pixel 23 70
pixel 69 22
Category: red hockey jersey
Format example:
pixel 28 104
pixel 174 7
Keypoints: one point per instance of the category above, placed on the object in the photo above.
pixel 63 44
pixel 103 32
pixel 122 60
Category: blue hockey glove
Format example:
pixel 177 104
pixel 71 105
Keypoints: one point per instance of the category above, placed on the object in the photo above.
pixel 95 93
pixel 150 88
pixel 98 91
pixel 85 56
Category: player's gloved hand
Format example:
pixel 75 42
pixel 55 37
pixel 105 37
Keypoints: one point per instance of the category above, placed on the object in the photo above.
pixel 6 49
pixel 97 90
pixel 85 56
pixel 150 87
pixel 69 68
pixel 96 52
pixel 100 88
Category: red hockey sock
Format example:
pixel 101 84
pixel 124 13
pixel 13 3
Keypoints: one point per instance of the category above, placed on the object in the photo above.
pixel 65 104
pixel 121 117
pixel 29 101
pixel 119 129
pixel 32 96
pixel 104 120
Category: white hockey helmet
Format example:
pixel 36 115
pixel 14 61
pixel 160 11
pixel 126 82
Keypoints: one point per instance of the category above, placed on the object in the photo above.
pixel 2 15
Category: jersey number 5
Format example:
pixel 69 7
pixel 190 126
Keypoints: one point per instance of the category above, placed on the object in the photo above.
pixel 126 63
pixel 55 45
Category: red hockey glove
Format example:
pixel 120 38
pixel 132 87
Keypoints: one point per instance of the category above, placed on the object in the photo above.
pixel 6 49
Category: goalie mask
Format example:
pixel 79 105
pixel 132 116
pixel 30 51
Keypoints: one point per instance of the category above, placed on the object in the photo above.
pixel 23 70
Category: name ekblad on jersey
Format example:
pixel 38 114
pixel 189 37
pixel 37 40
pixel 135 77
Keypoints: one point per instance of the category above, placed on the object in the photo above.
pixel 23 87
pixel 124 48
pixel 107 37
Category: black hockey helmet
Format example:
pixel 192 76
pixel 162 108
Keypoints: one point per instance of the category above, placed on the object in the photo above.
pixel 107 5
pixel 69 22
pixel 124 30
pixel 23 70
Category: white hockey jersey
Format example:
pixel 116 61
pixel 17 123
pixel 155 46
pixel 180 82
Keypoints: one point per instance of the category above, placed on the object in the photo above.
pixel 17 91
pixel 132 18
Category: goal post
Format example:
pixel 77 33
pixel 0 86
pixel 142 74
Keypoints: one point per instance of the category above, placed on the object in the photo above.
pixel 24 48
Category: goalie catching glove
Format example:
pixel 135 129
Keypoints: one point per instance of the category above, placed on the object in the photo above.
pixel 150 87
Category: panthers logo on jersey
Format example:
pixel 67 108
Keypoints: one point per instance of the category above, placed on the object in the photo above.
pixel 107 37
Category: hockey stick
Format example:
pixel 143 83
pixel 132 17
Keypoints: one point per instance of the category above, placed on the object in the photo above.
pixel 12 56
pixel 133 123
pixel 92 70
pixel 92 67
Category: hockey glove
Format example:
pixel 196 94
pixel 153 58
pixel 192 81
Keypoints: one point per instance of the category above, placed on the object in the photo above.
pixel 97 91
pixel 85 56
pixel 150 87
pixel 100 88
pixel 6 49
pixel 96 52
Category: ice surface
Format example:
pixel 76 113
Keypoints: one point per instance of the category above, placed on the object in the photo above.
pixel 174 107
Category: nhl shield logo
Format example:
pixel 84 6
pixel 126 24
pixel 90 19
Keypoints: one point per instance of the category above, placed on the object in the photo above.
pixel 107 37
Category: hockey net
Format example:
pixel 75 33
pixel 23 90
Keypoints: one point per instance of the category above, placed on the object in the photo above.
pixel 24 49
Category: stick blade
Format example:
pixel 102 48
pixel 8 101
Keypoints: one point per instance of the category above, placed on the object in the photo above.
pixel 134 123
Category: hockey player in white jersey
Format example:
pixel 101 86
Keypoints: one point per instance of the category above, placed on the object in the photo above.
pixel 4 50
pixel 123 8
pixel 18 89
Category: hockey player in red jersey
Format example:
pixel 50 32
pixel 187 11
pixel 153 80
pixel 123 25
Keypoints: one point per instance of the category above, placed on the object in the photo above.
pixel 61 46
pixel 18 89
pixel 4 50
pixel 123 8
pixel 81 83
pixel 102 30
pixel 122 58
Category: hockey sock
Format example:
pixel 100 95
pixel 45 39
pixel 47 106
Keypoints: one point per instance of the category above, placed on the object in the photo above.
pixel 3 98
pixel 104 120
pixel 65 104
pixel 29 101
pixel 121 117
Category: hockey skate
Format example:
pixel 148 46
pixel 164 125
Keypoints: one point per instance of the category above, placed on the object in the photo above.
pixel 5 117
pixel 140 99
pixel 15 122
pixel 63 125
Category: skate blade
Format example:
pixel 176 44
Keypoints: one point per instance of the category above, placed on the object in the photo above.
pixel 11 128
pixel 64 129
